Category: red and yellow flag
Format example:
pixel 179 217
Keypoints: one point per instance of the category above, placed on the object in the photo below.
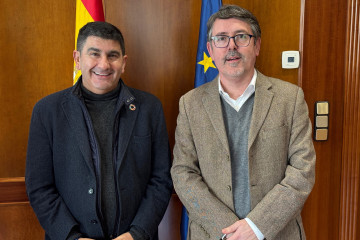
pixel 86 11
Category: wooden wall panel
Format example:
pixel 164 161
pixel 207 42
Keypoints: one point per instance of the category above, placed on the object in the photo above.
pixel 36 42
pixel 322 76
pixel 350 184
pixel 18 221
pixel 12 190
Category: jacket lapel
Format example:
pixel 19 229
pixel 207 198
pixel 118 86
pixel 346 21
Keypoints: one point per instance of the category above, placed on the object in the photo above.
pixel 212 105
pixel 262 102
pixel 128 109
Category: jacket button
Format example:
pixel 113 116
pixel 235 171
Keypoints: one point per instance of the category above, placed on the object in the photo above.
pixel 94 221
pixel 91 191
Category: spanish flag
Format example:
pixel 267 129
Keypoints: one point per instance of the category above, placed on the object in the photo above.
pixel 86 11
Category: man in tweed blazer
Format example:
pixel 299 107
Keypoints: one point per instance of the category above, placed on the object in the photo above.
pixel 280 154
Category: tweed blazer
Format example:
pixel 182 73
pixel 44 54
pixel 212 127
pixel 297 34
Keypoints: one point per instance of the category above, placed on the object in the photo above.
pixel 281 161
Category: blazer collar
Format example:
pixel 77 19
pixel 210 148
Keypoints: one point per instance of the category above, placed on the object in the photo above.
pixel 128 108
pixel 212 104
pixel 262 102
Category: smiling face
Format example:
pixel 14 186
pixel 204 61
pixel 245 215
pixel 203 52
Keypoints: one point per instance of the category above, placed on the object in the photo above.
pixel 234 63
pixel 101 63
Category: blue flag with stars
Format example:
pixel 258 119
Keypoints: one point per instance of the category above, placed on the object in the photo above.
pixel 205 69
pixel 205 72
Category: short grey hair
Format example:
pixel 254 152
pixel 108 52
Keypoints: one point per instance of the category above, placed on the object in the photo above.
pixel 233 11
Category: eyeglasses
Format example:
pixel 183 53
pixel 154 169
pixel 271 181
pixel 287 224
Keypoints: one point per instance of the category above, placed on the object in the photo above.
pixel 241 40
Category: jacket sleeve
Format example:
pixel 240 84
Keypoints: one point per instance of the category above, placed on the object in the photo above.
pixel 159 186
pixel 49 207
pixel 286 199
pixel 204 208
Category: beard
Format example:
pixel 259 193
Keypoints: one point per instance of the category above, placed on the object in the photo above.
pixel 236 68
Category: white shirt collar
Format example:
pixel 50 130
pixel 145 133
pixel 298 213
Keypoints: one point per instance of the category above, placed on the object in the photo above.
pixel 237 103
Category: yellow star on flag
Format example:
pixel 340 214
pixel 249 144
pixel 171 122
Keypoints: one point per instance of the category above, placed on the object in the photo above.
pixel 207 62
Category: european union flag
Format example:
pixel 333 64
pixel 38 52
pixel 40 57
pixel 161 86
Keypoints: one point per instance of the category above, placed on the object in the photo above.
pixel 205 72
pixel 205 68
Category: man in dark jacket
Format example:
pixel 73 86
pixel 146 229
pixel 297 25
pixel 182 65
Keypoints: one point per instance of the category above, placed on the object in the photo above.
pixel 98 155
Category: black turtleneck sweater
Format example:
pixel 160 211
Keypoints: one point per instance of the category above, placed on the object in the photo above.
pixel 101 108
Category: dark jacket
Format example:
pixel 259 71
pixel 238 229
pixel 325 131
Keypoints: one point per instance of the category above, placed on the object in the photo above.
pixel 62 161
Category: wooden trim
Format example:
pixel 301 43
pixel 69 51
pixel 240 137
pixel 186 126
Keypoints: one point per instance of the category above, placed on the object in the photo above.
pixel 301 41
pixel 349 210
pixel 13 190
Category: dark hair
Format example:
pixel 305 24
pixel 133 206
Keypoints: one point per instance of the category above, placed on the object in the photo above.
pixel 233 11
pixel 102 30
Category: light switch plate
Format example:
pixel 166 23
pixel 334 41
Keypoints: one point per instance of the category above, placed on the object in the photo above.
pixel 322 107
pixel 322 121
pixel 290 59
pixel 321 134
pixel 321 126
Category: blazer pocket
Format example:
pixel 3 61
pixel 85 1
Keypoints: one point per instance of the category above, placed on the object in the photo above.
pixel 196 231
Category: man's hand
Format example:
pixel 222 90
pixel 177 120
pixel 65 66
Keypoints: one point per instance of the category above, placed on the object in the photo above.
pixel 240 230
pixel 125 236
